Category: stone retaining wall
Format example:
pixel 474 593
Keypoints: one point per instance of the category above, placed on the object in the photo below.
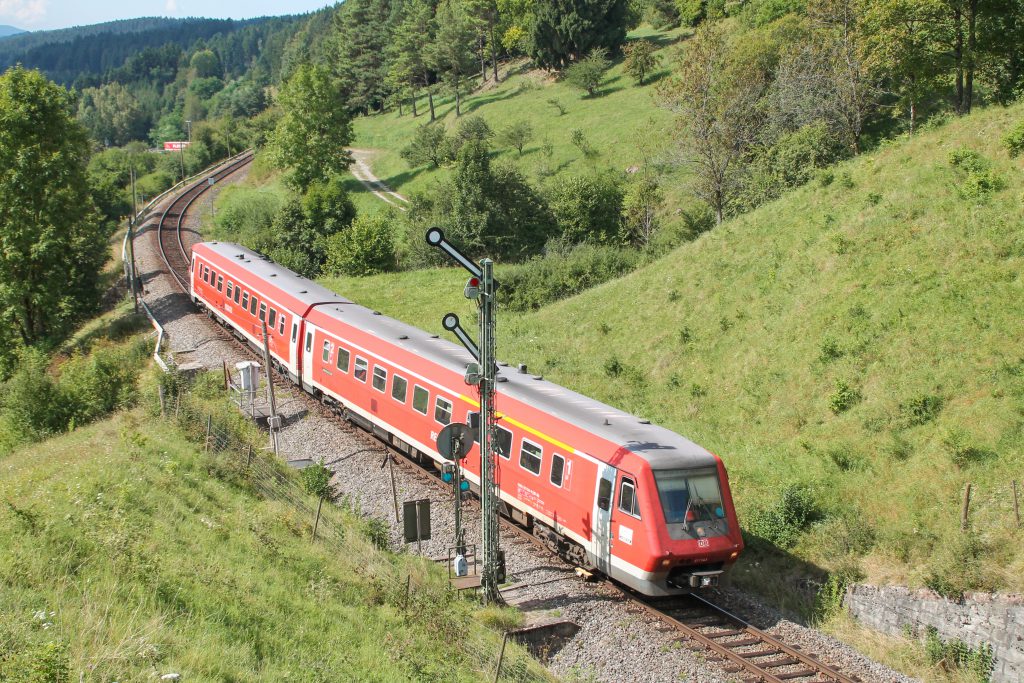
pixel 981 618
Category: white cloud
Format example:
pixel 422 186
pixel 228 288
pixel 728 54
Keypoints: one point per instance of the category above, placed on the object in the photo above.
pixel 26 12
pixel 171 6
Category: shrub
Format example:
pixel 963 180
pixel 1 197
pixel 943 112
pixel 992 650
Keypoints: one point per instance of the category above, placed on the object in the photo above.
pixel 829 600
pixel 517 135
pixel 366 248
pixel 783 522
pixel 557 105
pixel 793 160
pixel 830 349
pixel 613 367
pixel 247 215
pixel 579 140
pixel 978 179
pixel 690 12
pixel 588 208
pixel 316 480
pixel 487 209
pixel 640 59
pixel 920 409
pixel 1014 140
pixel 640 208
pixel 843 397
pixel 562 273
pixel 429 144
pixel 587 73
pixel 956 654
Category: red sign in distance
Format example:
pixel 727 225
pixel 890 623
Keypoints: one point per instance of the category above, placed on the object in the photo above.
pixel 175 146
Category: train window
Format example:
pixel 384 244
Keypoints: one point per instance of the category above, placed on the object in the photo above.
pixel 263 312
pixel 309 341
pixel 627 498
pixel 420 400
pixel 604 494
pixel 380 378
pixel 503 442
pixel 327 351
pixel 343 357
pixel 283 325
pixel 271 319
pixel 398 388
pixel 252 304
pixel 229 292
pixel 245 301
pixel 530 456
pixel 220 283
pixel 443 410
pixel 238 293
pixel 473 420
pixel 204 273
pixel 295 332
pixel 361 366
pixel 557 469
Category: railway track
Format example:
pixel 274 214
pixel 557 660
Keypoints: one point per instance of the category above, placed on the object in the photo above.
pixel 172 247
pixel 739 648
pixel 736 646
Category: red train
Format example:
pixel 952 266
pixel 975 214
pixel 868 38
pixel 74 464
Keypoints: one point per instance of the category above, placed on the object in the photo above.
pixel 606 489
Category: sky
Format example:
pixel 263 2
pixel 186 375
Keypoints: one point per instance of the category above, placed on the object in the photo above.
pixel 35 15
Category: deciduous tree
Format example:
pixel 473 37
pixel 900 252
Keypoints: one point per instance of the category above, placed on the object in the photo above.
pixel 640 59
pixel 52 245
pixel 315 129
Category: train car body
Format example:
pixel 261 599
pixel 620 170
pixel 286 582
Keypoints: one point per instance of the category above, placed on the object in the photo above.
pixel 606 489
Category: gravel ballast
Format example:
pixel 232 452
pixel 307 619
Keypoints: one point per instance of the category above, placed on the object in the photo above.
pixel 617 640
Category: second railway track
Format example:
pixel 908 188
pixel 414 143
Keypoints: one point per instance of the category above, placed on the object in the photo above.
pixel 741 650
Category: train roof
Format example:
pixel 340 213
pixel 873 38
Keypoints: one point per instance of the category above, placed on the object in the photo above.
pixel 660 447
pixel 305 290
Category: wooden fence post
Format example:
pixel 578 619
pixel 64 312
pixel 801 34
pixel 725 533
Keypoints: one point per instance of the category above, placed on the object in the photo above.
pixel 1016 504
pixel 248 456
pixel 501 657
pixel 160 390
pixel 209 428
pixel 966 508
pixel 317 522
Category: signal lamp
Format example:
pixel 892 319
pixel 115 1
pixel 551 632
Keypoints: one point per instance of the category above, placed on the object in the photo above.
pixel 463 485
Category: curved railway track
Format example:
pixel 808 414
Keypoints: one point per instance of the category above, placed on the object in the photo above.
pixel 739 648
pixel 172 247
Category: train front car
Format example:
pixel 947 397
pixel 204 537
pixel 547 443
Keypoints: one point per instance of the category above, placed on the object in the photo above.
pixel 683 506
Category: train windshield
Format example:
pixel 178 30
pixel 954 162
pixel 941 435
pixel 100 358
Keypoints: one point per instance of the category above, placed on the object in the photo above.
pixel 692 502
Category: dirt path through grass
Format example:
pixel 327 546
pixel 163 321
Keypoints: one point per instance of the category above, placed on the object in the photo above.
pixel 361 170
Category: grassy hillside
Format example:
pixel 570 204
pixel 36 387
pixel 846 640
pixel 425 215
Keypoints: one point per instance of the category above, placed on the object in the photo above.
pixel 616 121
pixel 125 553
pixel 853 350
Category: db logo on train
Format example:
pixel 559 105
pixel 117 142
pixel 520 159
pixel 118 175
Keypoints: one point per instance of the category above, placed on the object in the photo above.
pixel 702 543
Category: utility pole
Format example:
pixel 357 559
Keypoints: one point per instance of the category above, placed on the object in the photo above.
pixel 481 287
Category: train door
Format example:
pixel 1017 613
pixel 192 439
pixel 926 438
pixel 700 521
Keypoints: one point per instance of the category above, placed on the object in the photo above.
pixel 293 350
pixel 307 353
pixel 602 527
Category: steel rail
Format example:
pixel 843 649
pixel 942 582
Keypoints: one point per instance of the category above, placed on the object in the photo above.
pixel 749 645
pixel 181 204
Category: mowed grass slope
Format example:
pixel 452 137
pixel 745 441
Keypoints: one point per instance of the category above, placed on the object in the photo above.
pixel 615 121
pixel 126 553
pixel 861 336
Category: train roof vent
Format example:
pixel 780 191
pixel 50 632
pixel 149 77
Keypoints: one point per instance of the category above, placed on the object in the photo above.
pixel 644 421
pixel 435 336
pixel 376 312
pixel 273 275
pixel 302 291
pixel 501 378
pixel 241 256
pixel 522 368
pixel 404 336
pixel 607 422
pixel 502 363
pixel 538 376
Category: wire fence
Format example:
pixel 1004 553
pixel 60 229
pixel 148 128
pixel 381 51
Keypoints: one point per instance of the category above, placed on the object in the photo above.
pixel 228 438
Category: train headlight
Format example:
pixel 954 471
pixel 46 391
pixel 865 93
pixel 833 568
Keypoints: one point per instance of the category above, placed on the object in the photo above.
pixel 666 562
pixel 706 581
